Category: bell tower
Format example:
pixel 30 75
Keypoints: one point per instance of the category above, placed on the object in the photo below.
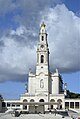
pixel 42 52
pixel 40 84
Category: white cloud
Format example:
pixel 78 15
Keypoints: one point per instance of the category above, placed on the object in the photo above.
pixel 19 31
pixel 16 58
pixel 29 15
pixel 64 38
pixel 18 53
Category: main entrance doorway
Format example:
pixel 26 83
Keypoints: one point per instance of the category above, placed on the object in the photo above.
pixel 39 108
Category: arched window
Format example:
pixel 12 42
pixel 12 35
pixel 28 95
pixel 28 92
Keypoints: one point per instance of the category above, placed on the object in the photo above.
pixel 32 100
pixel 42 38
pixel 25 100
pixel 42 58
pixel 41 100
pixel 59 100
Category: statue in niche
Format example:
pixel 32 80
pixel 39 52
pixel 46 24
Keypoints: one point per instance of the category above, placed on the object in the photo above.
pixel 41 83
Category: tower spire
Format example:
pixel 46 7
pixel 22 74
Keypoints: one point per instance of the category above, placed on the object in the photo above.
pixel 42 28
pixel 42 51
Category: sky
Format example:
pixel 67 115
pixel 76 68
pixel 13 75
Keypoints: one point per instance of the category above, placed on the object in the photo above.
pixel 19 29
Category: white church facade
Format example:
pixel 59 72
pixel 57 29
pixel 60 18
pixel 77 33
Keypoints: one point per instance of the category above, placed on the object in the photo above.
pixel 45 89
pixel 44 86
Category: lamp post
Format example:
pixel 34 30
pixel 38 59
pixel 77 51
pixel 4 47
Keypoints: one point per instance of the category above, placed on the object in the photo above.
pixel 65 89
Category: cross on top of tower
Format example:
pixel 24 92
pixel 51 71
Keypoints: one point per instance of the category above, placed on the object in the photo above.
pixel 43 24
pixel 42 28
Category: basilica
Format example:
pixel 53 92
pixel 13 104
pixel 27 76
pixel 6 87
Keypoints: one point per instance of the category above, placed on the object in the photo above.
pixel 45 90
pixel 44 86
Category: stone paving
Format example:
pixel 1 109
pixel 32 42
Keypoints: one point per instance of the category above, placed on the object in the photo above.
pixel 33 116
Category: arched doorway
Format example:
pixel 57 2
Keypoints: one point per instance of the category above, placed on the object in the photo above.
pixel 25 105
pixel 41 107
pixel 41 100
pixel 60 103
pixel 52 100
pixel 32 100
pixel 32 106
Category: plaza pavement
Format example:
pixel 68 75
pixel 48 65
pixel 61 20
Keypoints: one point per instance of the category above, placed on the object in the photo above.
pixel 34 116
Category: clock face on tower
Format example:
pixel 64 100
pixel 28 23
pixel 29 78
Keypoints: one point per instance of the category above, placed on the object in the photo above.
pixel 42 46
